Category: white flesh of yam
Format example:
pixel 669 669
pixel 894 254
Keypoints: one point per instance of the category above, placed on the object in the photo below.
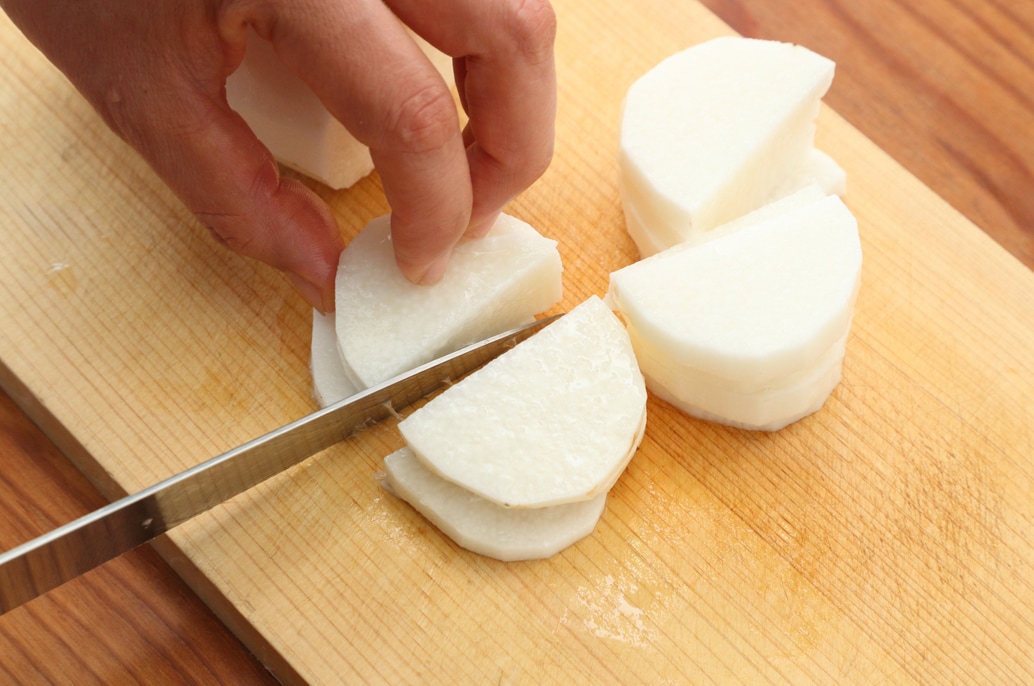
pixel 716 131
pixel 330 383
pixel 387 325
pixel 554 420
pixel 506 534
pixel 294 124
pixel 799 198
pixel 823 178
pixel 748 328
pixel 768 407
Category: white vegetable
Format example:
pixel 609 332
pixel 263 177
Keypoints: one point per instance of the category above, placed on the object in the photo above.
pixel 330 383
pixel 716 131
pixel 387 325
pixel 748 328
pixel 553 421
pixel 765 407
pixel 484 527
pixel 292 122
pixel 800 198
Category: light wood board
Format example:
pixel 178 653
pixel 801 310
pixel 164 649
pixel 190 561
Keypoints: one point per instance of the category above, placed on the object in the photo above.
pixel 885 539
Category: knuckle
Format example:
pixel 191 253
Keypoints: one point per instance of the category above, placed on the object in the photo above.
pixel 521 159
pixel 539 164
pixel 524 169
pixel 223 228
pixel 120 114
pixel 425 119
pixel 235 225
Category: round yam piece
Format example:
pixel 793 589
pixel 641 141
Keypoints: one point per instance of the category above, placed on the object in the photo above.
pixel 387 325
pixel 288 117
pixel 718 130
pixel 766 407
pixel 481 526
pixel 754 306
pixel 330 383
pixel 554 420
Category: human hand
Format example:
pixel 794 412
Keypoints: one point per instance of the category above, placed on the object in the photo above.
pixel 156 72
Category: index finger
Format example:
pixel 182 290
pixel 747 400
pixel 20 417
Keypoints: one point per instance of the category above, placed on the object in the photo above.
pixel 506 78
pixel 368 71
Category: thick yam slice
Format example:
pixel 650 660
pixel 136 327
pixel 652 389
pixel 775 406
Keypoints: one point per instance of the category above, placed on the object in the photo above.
pixel 825 178
pixel 799 198
pixel 506 534
pixel 293 123
pixel 716 131
pixel 765 407
pixel 757 304
pixel 330 383
pixel 386 325
pixel 553 421
pixel 764 309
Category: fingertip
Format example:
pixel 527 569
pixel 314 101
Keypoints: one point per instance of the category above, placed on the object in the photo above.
pixel 423 243
pixel 320 297
pixel 286 225
pixel 306 241
pixel 426 273
pixel 479 228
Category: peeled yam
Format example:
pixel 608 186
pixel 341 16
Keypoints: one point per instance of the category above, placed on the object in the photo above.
pixel 748 328
pixel 330 383
pixel 716 131
pixel 294 124
pixel 799 198
pixel 387 325
pixel 765 407
pixel 553 421
pixel 484 527
pixel 757 304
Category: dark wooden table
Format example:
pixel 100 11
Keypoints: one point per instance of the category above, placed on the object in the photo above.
pixel 945 86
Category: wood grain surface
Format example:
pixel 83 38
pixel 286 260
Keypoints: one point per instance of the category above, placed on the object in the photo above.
pixel 895 551
pixel 130 621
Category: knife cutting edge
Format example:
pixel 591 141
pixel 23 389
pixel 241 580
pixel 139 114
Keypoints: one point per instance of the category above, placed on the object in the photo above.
pixel 35 567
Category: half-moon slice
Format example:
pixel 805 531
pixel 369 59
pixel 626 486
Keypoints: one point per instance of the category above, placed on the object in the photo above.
pixel 554 420
pixel 387 325
pixel 330 383
pixel 479 525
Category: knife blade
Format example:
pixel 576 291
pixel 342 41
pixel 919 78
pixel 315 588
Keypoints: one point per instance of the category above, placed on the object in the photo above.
pixel 33 568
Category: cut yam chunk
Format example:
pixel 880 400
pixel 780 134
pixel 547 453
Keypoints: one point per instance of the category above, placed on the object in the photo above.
pixel 757 304
pixel 553 421
pixel 503 533
pixel 330 383
pixel 748 328
pixel 387 325
pixel 765 407
pixel 804 196
pixel 294 124
pixel 716 131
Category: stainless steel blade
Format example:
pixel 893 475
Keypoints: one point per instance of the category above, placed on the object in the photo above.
pixel 39 565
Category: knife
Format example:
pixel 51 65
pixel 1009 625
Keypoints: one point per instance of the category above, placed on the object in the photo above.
pixel 50 560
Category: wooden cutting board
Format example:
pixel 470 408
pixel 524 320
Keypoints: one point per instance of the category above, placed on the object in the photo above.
pixel 885 539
